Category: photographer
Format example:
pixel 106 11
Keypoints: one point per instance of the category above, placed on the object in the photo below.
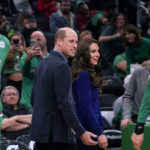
pixel 36 52
pixel 11 69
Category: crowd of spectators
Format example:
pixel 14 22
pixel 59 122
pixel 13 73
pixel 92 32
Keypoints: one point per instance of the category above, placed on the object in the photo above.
pixel 30 27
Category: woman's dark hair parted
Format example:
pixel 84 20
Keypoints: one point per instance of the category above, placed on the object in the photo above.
pixel 82 62
pixel 132 29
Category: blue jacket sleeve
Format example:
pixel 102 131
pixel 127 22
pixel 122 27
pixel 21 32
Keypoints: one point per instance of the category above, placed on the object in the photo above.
pixel 86 104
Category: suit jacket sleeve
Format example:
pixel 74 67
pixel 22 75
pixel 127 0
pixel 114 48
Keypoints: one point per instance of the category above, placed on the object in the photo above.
pixel 65 102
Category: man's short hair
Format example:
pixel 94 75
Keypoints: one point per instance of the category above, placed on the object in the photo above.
pixel 9 87
pixel 61 33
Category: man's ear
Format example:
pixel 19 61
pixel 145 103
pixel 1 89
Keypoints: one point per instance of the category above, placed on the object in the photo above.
pixel 59 41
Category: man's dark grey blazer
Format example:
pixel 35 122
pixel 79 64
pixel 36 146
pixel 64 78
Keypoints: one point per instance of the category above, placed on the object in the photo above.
pixel 54 118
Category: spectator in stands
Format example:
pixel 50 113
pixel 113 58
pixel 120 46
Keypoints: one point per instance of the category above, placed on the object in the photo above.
pixel 83 15
pixel 137 47
pixel 120 65
pixel 36 52
pixel 11 69
pixel 26 24
pixel 17 117
pixel 47 7
pixel 63 17
pixel 4 7
pixel 5 25
pixel 145 21
pixel 23 6
pixel 86 84
pixel 133 95
pixel 112 37
pixel 21 21
pixel 100 19
pixel 86 34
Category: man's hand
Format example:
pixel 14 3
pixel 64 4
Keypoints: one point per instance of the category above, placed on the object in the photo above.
pixel 104 20
pixel 124 123
pixel 103 143
pixel 146 63
pixel 137 140
pixel 86 138
pixel 117 35
pixel 34 51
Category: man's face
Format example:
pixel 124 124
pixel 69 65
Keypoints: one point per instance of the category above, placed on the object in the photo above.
pixel 68 45
pixel 40 40
pixel 65 7
pixel 84 9
pixel 10 97
pixel 130 37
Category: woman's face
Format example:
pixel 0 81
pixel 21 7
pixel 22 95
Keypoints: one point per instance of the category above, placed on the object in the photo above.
pixel 120 22
pixel 87 36
pixel 130 37
pixel 94 54
pixel 16 40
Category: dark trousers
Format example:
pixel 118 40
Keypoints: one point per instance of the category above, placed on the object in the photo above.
pixel 54 146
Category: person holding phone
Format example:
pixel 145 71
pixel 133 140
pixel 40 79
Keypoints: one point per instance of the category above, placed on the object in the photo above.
pixel 86 84
pixel 29 61
pixel 12 71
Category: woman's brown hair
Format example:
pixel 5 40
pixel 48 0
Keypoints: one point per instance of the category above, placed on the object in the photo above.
pixel 82 62
pixel 10 60
pixel 132 29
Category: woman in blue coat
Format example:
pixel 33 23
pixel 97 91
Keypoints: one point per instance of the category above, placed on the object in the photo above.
pixel 86 84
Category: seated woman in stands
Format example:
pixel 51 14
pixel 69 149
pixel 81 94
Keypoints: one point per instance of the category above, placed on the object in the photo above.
pixel 137 47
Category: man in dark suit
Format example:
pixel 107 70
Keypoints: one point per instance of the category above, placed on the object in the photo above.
pixel 54 122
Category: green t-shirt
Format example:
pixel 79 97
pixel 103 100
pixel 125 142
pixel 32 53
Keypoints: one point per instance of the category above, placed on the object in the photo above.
pixel 16 67
pixel 119 58
pixel 28 70
pixel 94 19
pixel 138 54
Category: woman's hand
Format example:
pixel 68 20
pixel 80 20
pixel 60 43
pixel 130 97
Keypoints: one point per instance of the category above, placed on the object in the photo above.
pixel 103 143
